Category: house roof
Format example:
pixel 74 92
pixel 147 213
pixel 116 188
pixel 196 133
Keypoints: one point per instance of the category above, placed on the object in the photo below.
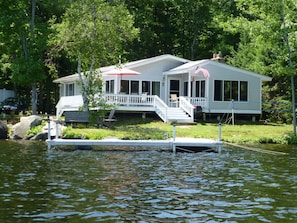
pixel 130 65
pixel 192 66
pixel 187 67
pixel 142 62
pixel 68 79
pixel 155 59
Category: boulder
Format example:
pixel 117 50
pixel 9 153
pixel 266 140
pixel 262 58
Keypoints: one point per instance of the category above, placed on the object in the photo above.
pixel 42 136
pixel 3 130
pixel 20 129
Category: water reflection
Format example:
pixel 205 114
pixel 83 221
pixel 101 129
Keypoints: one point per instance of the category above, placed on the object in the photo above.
pixel 235 186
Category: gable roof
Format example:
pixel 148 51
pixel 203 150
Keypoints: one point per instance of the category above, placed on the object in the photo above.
pixel 187 67
pixel 142 62
pixel 192 66
pixel 130 65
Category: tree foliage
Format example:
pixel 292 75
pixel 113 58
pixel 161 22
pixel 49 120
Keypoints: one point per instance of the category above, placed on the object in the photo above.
pixel 92 32
pixel 250 33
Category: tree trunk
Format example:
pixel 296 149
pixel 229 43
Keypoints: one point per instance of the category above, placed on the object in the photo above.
pixel 34 99
pixel 34 91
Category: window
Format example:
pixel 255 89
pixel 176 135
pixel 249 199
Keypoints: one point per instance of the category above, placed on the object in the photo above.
pixel 230 90
pixel 186 88
pixel 218 89
pixel 124 86
pixel 156 88
pixel 135 87
pixel 200 89
pixel 243 90
pixel 109 86
pixel 70 89
pixel 146 87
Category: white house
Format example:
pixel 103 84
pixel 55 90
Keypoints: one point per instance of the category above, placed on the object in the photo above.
pixel 173 87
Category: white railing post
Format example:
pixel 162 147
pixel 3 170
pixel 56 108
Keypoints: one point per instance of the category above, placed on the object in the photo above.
pixel 57 129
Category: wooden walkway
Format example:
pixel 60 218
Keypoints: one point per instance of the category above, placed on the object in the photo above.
pixel 170 144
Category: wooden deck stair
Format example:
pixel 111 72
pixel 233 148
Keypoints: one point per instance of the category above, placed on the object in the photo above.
pixel 178 115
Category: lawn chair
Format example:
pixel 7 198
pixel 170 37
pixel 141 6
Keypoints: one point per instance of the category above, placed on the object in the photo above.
pixel 174 100
pixel 109 121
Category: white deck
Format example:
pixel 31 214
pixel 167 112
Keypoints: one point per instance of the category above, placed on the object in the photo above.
pixel 170 143
pixel 182 112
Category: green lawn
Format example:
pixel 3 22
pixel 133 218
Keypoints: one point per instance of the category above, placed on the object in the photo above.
pixel 149 128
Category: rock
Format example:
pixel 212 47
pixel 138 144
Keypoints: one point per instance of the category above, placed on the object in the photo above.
pixel 42 136
pixel 3 130
pixel 20 129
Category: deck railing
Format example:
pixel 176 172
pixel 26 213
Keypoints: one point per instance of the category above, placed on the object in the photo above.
pixel 197 101
pixel 130 100
pixel 161 108
pixel 185 105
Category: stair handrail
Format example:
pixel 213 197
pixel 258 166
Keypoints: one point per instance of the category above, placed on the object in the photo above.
pixel 161 108
pixel 185 105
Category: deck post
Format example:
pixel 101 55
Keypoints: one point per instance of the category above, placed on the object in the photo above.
pixel 174 136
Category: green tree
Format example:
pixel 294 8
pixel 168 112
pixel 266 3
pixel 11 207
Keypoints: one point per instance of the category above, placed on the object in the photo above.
pixel 262 48
pixel 92 32
pixel 23 42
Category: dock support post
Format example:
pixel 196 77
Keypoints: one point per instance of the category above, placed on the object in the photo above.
pixel 57 129
pixel 220 136
pixel 233 112
pixel 174 136
pixel 48 133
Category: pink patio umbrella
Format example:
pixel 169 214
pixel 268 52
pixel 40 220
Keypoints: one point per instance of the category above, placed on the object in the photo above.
pixel 202 70
pixel 121 71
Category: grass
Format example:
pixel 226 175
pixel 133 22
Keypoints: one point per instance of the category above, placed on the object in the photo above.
pixel 134 127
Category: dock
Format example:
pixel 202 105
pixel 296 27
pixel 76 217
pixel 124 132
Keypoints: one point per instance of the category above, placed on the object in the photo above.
pixel 180 144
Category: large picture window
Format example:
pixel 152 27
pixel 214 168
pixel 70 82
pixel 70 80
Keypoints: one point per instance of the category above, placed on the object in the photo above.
pixel 230 90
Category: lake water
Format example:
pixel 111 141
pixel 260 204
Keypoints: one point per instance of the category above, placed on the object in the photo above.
pixel 145 186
